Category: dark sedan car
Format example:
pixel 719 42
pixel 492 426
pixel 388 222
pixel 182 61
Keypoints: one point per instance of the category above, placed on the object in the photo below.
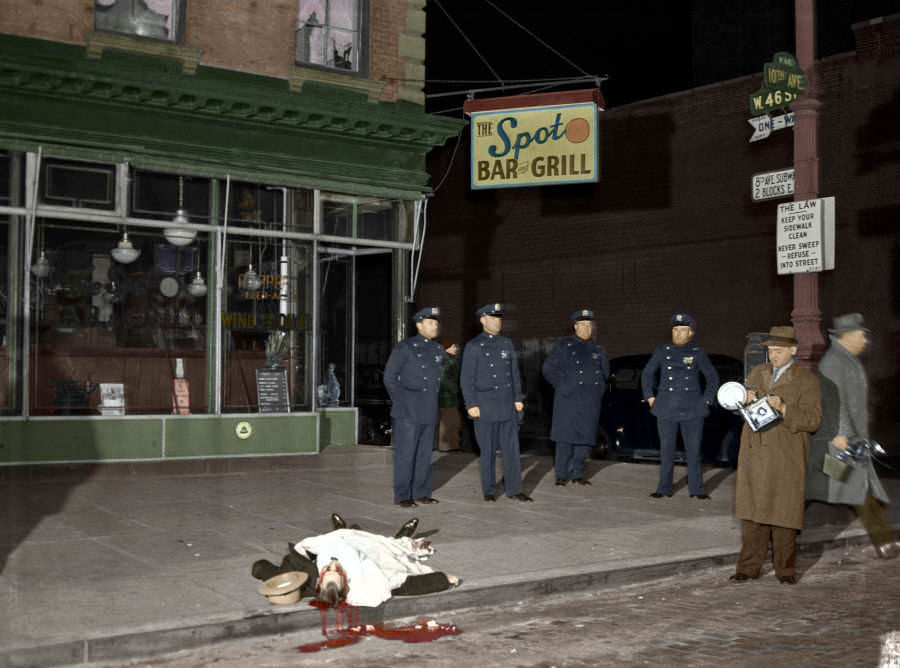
pixel 628 429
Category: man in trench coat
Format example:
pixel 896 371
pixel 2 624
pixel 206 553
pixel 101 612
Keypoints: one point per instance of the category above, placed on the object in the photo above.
pixel 769 492
pixel 845 420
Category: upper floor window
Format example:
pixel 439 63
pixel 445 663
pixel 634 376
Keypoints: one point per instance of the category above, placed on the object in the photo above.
pixel 331 33
pixel 156 19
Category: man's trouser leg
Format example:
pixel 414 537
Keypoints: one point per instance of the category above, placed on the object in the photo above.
pixel 668 432
pixel 486 435
pixel 692 432
pixel 421 484
pixel 754 545
pixel 562 460
pixel 404 439
pixel 873 518
pixel 784 551
pixel 512 461
pixel 580 453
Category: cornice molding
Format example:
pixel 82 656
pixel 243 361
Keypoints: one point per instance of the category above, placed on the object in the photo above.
pixel 96 42
pixel 300 75
pixel 224 94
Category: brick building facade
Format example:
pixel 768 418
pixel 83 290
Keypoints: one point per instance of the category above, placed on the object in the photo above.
pixel 671 225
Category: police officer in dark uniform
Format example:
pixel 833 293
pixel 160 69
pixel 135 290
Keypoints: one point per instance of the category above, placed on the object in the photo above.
pixel 671 386
pixel 413 379
pixel 577 369
pixel 492 390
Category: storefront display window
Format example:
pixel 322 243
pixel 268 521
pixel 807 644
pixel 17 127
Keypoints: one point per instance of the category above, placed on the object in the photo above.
pixel 266 315
pixel 99 319
pixel 154 293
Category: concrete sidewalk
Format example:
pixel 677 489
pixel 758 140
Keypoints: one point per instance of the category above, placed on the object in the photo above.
pixel 134 559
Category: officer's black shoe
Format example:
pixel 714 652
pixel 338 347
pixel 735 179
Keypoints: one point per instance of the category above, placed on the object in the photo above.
pixel 704 497
pixel 427 499
pixel 583 481
pixel 406 503
pixel 561 482
pixel 407 529
pixel 657 495
pixel 787 579
pixel 337 521
pixel 521 496
pixel 490 497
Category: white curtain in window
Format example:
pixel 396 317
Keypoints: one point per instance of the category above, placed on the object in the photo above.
pixel 164 7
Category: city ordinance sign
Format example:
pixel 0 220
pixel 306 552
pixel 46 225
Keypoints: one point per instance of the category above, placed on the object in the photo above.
pixel 805 236
pixel 534 146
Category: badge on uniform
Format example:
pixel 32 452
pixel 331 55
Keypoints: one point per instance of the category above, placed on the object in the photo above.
pixel 688 360
pixel 437 358
pixel 595 355
pixel 504 354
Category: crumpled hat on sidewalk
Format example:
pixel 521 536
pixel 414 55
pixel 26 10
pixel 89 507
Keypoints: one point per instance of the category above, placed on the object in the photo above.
pixel 284 588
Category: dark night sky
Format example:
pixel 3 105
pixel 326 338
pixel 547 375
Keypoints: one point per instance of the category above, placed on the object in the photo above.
pixel 646 47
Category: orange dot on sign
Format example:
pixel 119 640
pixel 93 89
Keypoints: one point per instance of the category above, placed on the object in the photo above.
pixel 577 130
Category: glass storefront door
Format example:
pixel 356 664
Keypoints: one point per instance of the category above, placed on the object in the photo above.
pixel 355 335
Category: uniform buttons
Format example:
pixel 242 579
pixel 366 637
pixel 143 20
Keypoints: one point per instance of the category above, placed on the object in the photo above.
pixel 671 388
pixel 668 367
pixel 670 377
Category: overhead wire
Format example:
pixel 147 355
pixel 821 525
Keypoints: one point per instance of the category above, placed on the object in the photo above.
pixel 466 37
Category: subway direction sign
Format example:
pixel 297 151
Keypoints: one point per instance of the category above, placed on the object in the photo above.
pixel 534 146
pixel 805 236
pixel 783 81
pixel 772 185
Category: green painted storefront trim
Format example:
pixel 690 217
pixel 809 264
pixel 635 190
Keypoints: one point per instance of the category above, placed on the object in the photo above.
pixel 338 426
pixel 85 439
pixel 145 110
pixel 96 42
pixel 268 434
pixel 161 438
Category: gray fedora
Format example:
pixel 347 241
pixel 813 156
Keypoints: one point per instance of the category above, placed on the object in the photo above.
pixel 849 322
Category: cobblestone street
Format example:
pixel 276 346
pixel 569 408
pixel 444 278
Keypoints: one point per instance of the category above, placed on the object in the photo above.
pixel 843 612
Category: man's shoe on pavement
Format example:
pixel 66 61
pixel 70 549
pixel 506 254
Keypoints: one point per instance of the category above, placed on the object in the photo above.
pixel 741 577
pixel 787 579
pixel 427 499
pixel 490 497
pixel 704 497
pixel 658 495
pixel 407 529
pixel 406 503
pixel 887 551
pixel 337 521
pixel 561 482
pixel 521 496
pixel 582 481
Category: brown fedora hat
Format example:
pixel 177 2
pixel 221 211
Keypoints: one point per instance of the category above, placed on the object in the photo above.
pixel 781 335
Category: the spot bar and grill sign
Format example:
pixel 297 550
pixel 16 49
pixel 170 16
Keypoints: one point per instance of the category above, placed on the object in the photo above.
pixel 534 140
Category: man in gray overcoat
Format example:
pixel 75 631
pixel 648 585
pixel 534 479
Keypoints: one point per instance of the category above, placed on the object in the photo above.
pixel 846 421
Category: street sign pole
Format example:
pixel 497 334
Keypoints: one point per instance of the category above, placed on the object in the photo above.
pixel 806 316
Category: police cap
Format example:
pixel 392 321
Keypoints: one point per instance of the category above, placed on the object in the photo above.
pixel 683 319
pixel 432 312
pixel 490 309
pixel 583 314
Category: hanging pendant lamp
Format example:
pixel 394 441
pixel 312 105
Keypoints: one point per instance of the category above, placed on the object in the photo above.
pixel 197 287
pixel 125 252
pixel 179 235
